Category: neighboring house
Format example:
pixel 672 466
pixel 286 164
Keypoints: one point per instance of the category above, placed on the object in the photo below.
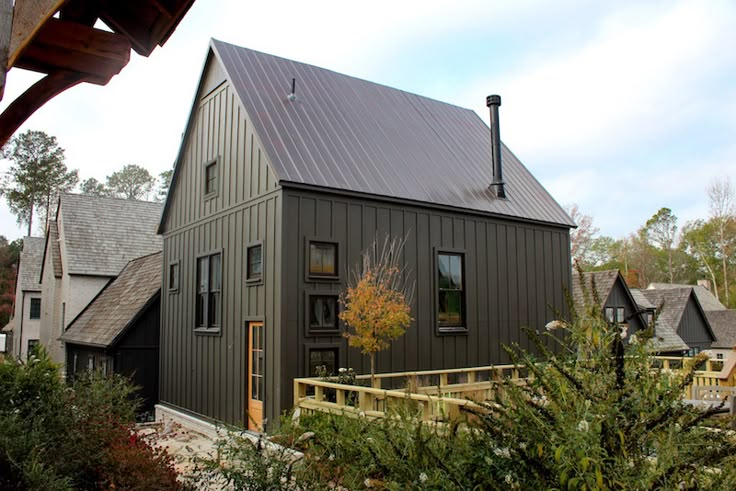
pixel 681 309
pixel 90 241
pixel 613 295
pixel 723 323
pixel 286 172
pixel 707 300
pixel 665 340
pixel 27 317
pixel 119 330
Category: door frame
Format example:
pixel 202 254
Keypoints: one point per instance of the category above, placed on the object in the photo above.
pixel 249 324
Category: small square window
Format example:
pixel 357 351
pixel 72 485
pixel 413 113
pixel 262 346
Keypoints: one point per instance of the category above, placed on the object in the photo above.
pixel 210 178
pixel 35 308
pixel 323 259
pixel 610 314
pixel 323 313
pixel 173 277
pixel 620 315
pixel 254 257
pixel 322 357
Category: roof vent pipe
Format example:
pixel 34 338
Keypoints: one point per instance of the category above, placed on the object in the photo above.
pixel 492 102
pixel 292 94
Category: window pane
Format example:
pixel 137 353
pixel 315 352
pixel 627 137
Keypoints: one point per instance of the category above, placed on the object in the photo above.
pixel 214 309
pixel 254 262
pixel 315 312
pixel 444 270
pixel 203 274
pixel 620 315
pixel 201 309
pixel 456 272
pixel 450 308
pixel 315 259
pixel 328 259
pixel 215 272
pixel 326 357
pixel 329 305
pixel 174 276
pixel 35 308
pixel 322 258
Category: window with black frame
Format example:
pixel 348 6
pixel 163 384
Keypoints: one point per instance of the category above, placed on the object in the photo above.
pixel 209 286
pixel 323 313
pixel 451 292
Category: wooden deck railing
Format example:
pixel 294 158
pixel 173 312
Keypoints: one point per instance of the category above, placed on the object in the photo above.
pixel 445 394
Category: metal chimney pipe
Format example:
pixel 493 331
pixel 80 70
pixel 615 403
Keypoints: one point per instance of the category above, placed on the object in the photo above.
pixel 492 102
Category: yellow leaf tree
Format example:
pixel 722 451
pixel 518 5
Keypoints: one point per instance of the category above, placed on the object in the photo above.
pixel 377 303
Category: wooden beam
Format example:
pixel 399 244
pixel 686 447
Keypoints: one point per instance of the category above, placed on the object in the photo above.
pixel 36 96
pixel 69 46
pixel 29 17
pixel 6 27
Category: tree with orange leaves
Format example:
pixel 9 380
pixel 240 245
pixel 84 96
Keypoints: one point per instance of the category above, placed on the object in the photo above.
pixel 377 303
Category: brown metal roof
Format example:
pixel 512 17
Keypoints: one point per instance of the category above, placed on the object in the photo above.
pixel 105 319
pixel 345 133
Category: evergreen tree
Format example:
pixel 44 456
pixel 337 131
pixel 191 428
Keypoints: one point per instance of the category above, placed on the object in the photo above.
pixel 131 182
pixel 94 187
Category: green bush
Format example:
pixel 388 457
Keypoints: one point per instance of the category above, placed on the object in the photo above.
pixel 81 437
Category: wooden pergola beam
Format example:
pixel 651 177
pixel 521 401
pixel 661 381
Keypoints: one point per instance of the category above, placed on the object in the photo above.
pixel 36 96
pixel 6 27
pixel 28 18
pixel 68 46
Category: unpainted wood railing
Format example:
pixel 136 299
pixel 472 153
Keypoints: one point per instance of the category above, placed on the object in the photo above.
pixel 444 394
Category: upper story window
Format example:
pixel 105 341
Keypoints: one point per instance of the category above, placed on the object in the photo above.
pixel 209 289
pixel 451 292
pixel 323 313
pixel 174 277
pixel 210 178
pixel 254 258
pixel 323 259
pixel 35 312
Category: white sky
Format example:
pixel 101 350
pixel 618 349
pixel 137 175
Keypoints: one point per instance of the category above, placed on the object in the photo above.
pixel 623 107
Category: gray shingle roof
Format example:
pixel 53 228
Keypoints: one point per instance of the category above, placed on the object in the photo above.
pixel 102 234
pixel 105 319
pixel 350 134
pixel 31 257
pixel 603 281
pixel 723 323
pixel 707 300
pixel 665 334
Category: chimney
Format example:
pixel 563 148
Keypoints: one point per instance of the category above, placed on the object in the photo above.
pixel 492 102
pixel 705 284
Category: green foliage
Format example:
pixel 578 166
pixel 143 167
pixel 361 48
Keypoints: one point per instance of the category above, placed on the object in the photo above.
pixel 9 253
pixel 80 437
pixel 131 182
pixel 36 176
pixel 93 187
pixel 164 183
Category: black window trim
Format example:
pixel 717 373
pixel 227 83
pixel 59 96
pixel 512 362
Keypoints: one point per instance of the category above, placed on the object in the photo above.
pixel 216 330
pixel 308 294
pixel 258 280
pixel 322 346
pixel 208 195
pixel 449 330
pixel 316 277
pixel 30 308
pixel 175 289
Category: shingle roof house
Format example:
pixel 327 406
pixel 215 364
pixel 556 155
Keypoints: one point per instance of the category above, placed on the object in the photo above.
pixel 90 241
pixel 665 340
pixel 27 297
pixel 286 172
pixel 707 300
pixel 723 323
pixel 681 309
pixel 119 330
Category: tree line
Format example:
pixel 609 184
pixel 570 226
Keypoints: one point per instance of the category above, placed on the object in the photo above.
pixel 661 250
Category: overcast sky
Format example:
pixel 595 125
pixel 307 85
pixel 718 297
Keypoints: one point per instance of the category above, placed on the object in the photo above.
pixel 622 107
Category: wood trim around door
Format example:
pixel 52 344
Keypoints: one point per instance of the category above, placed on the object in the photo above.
pixel 256 375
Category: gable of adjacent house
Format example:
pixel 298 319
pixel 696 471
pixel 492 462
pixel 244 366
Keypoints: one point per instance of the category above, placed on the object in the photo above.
pixel 28 296
pixel 707 300
pixel 681 309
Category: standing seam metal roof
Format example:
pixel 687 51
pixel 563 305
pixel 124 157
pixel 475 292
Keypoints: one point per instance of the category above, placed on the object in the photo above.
pixel 350 134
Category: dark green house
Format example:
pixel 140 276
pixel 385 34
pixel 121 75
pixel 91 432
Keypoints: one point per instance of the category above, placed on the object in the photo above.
pixel 286 172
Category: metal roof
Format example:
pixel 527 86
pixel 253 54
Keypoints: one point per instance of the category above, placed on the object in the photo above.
pixel 102 234
pixel 106 318
pixel 31 257
pixel 345 133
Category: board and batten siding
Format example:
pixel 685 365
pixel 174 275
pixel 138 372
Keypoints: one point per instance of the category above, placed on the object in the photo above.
pixel 693 326
pixel 618 297
pixel 514 272
pixel 206 374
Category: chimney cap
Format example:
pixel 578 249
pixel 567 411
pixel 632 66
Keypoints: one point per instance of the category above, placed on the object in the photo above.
pixel 493 100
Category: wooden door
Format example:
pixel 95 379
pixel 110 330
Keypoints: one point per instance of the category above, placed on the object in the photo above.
pixel 256 375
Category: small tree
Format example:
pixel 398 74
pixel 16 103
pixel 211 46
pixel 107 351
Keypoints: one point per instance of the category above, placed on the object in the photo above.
pixel 164 182
pixel 377 302
pixel 131 182
pixel 93 187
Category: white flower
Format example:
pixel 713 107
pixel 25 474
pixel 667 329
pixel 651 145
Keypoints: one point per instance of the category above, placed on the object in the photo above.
pixel 583 426
pixel 368 483
pixel 509 478
pixel 633 339
pixel 555 324
pixel 423 477
pixel 624 331
pixel 502 452
pixel 343 370
pixel 522 446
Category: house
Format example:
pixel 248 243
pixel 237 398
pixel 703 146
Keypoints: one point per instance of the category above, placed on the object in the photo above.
pixel 613 295
pixel 665 340
pixel 27 316
pixel 707 300
pixel 681 309
pixel 119 330
pixel 286 172
pixel 88 243
pixel 723 323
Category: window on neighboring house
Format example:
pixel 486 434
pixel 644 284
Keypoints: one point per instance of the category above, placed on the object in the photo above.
pixel 91 362
pixel 620 315
pixel 209 286
pixel 254 258
pixel 210 178
pixel 32 347
pixel 610 311
pixel 650 318
pixel 322 357
pixel 323 259
pixel 719 356
pixel 63 316
pixel 174 277
pixel 322 313
pixel 35 308
pixel 451 292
